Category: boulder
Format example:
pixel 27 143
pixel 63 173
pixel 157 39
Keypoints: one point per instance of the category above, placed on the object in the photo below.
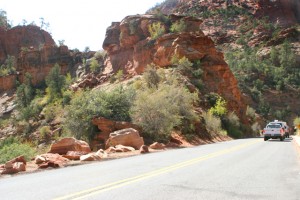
pixel 90 157
pixel 13 166
pixel 110 150
pixel 127 137
pixel 157 145
pixel 74 155
pixel 69 144
pixel 122 148
pixel 144 149
pixel 107 126
pixel 50 160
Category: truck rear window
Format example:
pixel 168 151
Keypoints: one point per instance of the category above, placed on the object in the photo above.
pixel 274 126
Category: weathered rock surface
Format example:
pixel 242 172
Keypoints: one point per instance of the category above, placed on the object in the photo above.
pixel 13 166
pixel 127 137
pixel 35 52
pixel 65 145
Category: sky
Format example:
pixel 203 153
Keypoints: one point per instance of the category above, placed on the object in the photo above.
pixel 80 23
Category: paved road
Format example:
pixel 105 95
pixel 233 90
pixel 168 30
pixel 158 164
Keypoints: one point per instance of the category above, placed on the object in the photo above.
pixel 239 169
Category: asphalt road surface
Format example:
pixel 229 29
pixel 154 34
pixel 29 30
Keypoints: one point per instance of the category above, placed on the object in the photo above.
pixel 239 169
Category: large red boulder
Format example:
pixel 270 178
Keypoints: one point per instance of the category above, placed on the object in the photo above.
pixel 13 166
pixel 127 137
pixel 50 160
pixel 69 144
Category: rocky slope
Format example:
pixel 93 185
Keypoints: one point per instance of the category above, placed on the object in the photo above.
pixel 261 25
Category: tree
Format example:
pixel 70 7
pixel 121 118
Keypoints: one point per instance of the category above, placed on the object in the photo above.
pixel 25 92
pixel 3 19
pixel 55 83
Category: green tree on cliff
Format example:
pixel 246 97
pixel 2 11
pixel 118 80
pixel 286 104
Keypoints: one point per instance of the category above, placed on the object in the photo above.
pixel 25 92
pixel 55 83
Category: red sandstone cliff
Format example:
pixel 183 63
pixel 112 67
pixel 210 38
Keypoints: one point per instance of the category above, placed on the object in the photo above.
pixel 130 48
pixel 35 51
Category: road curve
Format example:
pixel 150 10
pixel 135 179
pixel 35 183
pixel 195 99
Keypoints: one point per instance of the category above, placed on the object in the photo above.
pixel 238 169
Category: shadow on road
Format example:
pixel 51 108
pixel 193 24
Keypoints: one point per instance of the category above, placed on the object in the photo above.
pixel 278 140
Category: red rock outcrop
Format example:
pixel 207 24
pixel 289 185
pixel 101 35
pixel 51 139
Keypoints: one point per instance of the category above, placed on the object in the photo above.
pixel 65 145
pixel 127 137
pixel 35 51
pixel 131 49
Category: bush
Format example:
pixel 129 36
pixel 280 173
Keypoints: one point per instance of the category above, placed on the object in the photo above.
pixel 219 109
pixel 84 106
pixel 250 112
pixel 151 77
pixel 213 123
pixel 10 151
pixel 95 67
pixel 159 110
pixel 156 30
pixel 178 26
pixel 296 122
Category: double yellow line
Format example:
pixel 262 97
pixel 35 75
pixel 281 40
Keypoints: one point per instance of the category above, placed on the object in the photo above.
pixel 96 190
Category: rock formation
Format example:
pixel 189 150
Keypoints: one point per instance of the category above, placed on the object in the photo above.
pixel 130 48
pixel 35 52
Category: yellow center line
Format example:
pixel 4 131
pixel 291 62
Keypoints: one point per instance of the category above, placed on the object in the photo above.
pixel 99 189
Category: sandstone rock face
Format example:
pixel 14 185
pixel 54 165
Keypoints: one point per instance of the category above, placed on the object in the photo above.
pixel 35 52
pixel 127 137
pixel 132 50
pixel 13 166
pixel 69 144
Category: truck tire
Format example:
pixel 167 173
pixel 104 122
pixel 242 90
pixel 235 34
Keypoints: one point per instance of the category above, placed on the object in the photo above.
pixel 265 139
pixel 281 138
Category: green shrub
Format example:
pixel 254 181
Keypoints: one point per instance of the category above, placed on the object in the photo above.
pixel 156 30
pixel 45 132
pixel 296 122
pixel 250 112
pixel 94 66
pixel 219 109
pixel 10 151
pixel 178 26
pixel 213 123
pixel 114 105
pixel 159 110
pixel 151 77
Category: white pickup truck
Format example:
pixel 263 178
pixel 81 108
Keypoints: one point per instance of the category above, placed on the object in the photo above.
pixel 284 126
pixel 274 131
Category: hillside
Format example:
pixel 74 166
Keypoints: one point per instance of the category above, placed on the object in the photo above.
pixel 260 40
pixel 186 70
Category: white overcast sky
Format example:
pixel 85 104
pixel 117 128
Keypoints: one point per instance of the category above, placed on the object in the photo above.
pixel 80 23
